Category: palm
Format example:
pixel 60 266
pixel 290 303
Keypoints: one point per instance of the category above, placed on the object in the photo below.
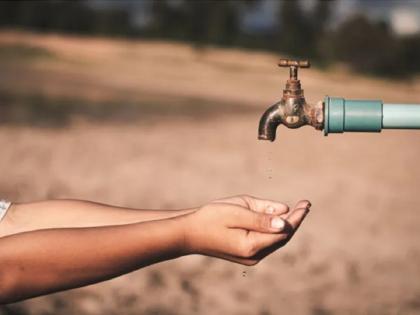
pixel 293 218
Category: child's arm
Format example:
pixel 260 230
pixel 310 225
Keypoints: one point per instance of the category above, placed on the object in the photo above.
pixel 74 213
pixel 45 261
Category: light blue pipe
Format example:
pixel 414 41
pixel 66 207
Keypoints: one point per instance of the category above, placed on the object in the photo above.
pixel 401 116
pixel 368 115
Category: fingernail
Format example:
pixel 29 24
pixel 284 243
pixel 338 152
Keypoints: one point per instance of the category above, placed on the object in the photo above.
pixel 270 209
pixel 309 205
pixel 277 223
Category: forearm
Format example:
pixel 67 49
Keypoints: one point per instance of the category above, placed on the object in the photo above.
pixel 45 261
pixel 74 213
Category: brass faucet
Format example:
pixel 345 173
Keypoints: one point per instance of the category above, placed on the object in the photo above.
pixel 292 110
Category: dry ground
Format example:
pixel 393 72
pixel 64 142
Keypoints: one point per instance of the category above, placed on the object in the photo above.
pixel 357 253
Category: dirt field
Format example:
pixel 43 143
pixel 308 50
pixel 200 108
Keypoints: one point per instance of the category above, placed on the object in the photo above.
pixel 189 136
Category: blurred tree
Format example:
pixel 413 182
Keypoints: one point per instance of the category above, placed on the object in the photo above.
pixel 322 15
pixel 296 36
pixel 168 20
pixel 411 53
pixel 368 46
pixel 65 16
pixel 202 22
pixel 214 22
pixel 301 32
pixel 321 18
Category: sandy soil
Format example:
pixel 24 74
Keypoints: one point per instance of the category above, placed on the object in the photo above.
pixel 357 253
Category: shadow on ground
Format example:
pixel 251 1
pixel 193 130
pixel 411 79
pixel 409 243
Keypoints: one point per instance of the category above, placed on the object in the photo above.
pixel 39 110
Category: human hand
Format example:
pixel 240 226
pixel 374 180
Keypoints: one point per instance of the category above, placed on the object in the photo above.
pixel 242 229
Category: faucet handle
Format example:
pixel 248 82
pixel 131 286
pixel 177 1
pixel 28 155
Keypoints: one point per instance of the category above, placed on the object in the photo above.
pixel 294 65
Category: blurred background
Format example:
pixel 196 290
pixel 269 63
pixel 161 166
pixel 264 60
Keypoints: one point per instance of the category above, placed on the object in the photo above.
pixel 155 104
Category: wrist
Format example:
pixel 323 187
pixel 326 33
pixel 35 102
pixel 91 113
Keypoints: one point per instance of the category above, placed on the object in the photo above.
pixel 185 228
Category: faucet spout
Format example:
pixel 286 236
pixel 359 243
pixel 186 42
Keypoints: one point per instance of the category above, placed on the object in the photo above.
pixel 269 122
pixel 292 110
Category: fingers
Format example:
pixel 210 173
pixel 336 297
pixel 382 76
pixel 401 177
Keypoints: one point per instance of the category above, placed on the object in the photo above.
pixel 265 215
pixel 255 221
pixel 256 204
pixel 296 217
pixel 265 205
pixel 303 204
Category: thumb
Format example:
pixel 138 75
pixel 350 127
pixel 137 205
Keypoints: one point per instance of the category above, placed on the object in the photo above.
pixel 243 218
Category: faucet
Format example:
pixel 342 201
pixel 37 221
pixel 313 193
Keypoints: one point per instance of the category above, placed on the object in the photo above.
pixel 292 110
pixel 333 114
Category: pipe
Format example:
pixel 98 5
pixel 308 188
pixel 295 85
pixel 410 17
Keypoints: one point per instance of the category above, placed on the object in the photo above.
pixel 401 116
pixel 368 115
